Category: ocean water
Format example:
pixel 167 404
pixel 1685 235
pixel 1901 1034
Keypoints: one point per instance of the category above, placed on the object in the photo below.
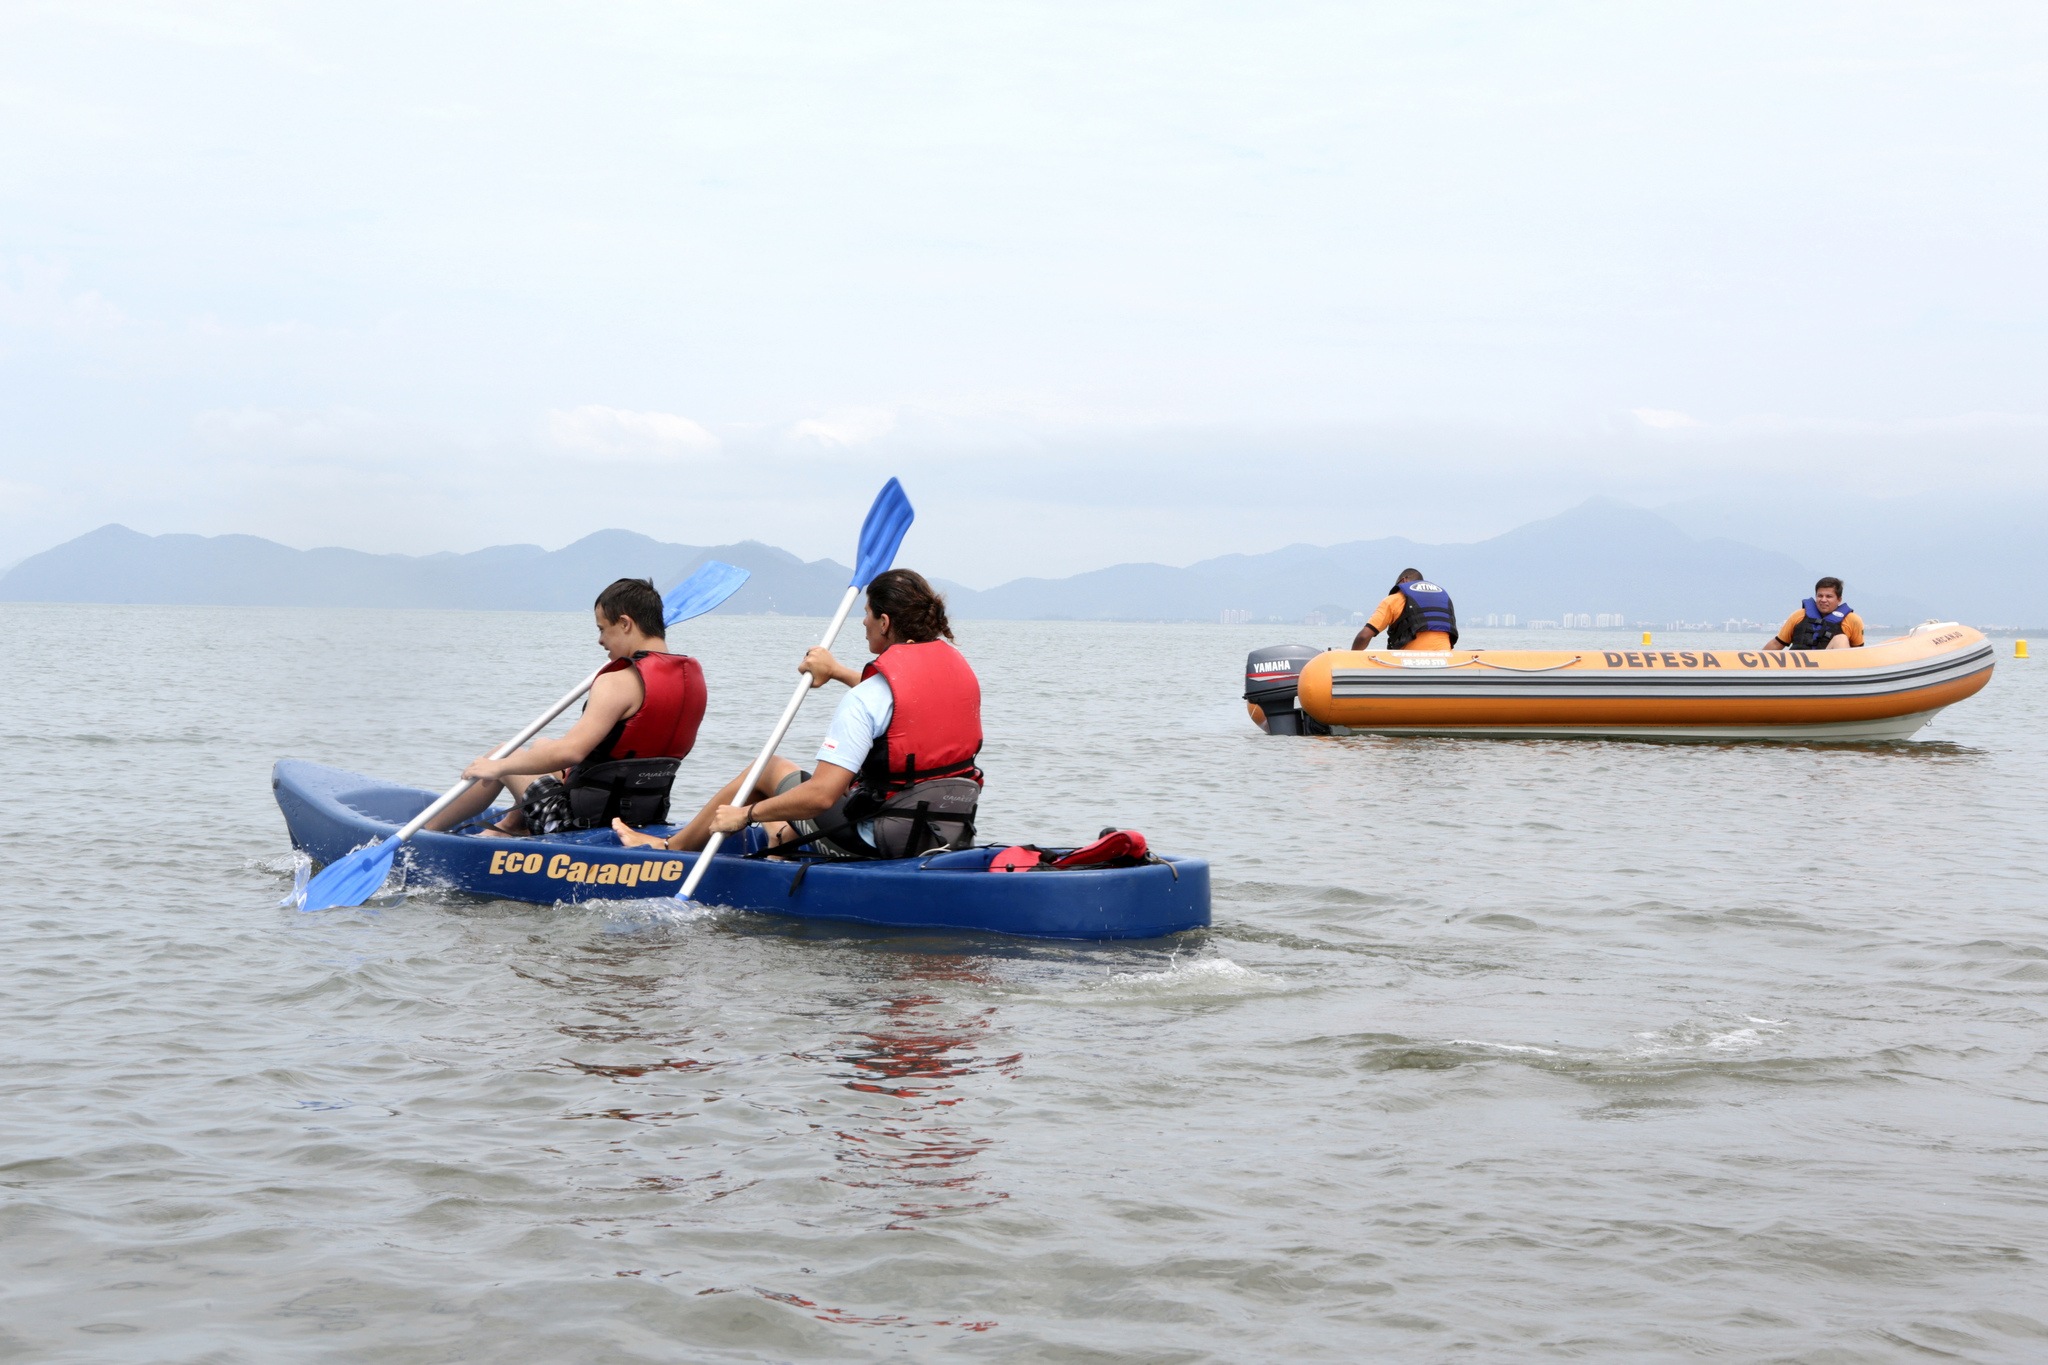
pixel 1497 1051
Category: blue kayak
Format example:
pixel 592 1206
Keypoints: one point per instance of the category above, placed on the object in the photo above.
pixel 330 812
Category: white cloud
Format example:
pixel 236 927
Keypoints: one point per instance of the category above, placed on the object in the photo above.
pixel 1212 279
pixel 42 303
pixel 331 431
pixel 210 327
pixel 617 434
pixel 846 426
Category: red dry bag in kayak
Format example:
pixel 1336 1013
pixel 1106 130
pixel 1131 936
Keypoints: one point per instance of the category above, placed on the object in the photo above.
pixel 1114 844
pixel 1016 858
pixel 1116 848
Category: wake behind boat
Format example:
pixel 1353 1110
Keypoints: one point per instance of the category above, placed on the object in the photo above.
pixel 331 812
pixel 1884 691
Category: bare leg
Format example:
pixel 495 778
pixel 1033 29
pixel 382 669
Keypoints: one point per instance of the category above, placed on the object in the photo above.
pixel 512 823
pixel 692 837
pixel 1839 642
pixel 478 799
pixel 470 803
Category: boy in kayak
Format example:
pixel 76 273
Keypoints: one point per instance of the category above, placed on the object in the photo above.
pixel 896 775
pixel 1823 621
pixel 619 758
pixel 1414 614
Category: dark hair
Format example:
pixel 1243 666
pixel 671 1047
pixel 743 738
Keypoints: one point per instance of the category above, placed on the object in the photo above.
pixel 916 613
pixel 634 597
pixel 1834 583
pixel 1408 576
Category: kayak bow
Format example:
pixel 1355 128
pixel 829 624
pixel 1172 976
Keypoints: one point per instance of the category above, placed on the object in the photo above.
pixel 331 812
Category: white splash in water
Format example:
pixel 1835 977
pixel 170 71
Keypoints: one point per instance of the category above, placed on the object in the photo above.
pixel 1735 1038
pixel 1197 974
pixel 641 912
pixel 1504 1047
pixel 1707 1038
pixel 302 872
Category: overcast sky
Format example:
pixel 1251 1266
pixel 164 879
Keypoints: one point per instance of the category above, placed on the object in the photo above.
pixel 1099 281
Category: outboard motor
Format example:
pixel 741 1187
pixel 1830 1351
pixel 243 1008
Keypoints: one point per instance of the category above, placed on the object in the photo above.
pixel 1270 675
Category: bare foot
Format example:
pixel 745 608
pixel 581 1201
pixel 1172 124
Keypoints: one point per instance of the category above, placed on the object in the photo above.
pixel 633 838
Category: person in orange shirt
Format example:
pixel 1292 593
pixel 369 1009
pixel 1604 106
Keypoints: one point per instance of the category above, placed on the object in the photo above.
pixel 1823 621
pixel 1415 615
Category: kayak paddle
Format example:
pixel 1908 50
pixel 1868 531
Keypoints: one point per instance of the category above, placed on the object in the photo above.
pixel 353 879
pixel 880 534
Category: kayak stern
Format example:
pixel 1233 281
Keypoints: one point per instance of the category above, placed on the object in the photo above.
pixel 330 812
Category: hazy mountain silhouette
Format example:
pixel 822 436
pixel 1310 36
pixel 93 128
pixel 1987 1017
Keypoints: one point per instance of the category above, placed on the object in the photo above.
pixel 115 564
pixel 1601 557
pixel 1975 558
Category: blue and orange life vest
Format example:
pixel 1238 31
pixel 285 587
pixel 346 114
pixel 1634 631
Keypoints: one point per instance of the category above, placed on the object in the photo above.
pixel 1818 628
pixel 1429 608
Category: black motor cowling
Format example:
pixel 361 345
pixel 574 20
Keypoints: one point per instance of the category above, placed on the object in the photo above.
pixel 1270 675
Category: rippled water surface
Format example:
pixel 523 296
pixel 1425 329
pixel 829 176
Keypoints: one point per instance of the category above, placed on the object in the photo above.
pixel 1498 1050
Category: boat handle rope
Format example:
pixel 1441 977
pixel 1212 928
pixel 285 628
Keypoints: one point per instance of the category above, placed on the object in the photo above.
pixel 1475 659
pixel 1547 668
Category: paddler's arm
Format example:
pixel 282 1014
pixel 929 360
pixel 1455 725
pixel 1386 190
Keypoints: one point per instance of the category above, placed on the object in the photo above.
pixel 823 668
pixel 611 697
pixel 805 801
pixel 1364 636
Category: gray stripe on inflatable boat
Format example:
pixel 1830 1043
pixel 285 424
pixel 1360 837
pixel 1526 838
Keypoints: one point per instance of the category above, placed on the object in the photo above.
pixel 1378 682
pixel 1885 728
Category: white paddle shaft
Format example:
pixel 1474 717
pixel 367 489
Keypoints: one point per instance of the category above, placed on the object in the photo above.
pixel 502 751
pixel 796 699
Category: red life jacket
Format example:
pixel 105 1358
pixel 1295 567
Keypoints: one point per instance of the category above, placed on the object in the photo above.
pixel 666 724
pixel 935 725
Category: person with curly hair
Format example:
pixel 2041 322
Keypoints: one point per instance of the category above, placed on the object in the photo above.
pixel 896 775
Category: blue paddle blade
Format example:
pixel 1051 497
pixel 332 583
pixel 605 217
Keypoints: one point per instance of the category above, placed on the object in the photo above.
pixel 881 533
pixel 701 591
pixel 353 879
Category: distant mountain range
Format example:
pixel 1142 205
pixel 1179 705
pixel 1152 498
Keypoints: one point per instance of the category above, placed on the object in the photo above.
pixel 1601 558
pixel 115 564
pixel 1973 557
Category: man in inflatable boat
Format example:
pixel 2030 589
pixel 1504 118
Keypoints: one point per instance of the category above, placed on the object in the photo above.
pixel 618 759
pixel 1415 615
pixel 1823 621
pixel 896 775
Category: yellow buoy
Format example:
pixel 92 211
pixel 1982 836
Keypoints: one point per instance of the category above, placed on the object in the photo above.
pixel 1646 637
pixel 2019 649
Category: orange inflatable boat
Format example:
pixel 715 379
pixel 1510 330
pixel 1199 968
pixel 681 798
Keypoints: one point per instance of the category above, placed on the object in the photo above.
pixel 1881 691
